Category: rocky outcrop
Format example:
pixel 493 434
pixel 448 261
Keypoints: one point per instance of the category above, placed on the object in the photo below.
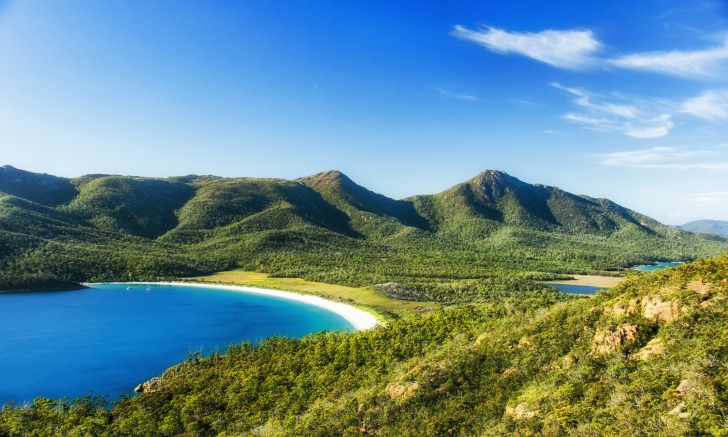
pixel 150 386
pixel 608 341
pixel 653 347
pixel 699 287
pixel 621 309
pixel 407 390
pixel 654 308
pixel 679 411
pixel 520 411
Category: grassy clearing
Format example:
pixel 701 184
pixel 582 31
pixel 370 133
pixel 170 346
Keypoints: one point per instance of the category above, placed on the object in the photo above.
pixel 383 306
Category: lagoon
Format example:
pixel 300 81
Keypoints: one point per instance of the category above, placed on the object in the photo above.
pixel 655 266
pixel 576 289
pixel 110 337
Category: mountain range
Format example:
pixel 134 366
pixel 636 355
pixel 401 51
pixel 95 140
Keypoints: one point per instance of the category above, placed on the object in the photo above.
pixel 323 226
pixel 717 227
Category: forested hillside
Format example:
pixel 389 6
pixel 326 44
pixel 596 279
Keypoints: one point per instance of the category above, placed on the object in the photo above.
pixel 323 227
pixel 645 358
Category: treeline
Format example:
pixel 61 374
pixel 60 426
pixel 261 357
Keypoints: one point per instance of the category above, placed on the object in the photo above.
pixel 465 291
pixel 34 282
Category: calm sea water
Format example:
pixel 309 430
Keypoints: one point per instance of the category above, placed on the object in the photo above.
pixel 107 339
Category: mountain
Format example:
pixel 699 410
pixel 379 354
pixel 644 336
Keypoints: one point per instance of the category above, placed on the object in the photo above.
pixel 495 198
pixel 717 227
pixel 644 358
pixel 323 227
pixel 40 188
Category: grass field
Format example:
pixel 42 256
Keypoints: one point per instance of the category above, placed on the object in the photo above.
pixel 384 307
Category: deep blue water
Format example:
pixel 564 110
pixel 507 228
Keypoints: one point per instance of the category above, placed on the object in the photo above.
pixel 577 289
pixel 656 266
pixel 107 339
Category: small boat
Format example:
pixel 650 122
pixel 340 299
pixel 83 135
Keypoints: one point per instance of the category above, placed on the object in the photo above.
pixel 128 288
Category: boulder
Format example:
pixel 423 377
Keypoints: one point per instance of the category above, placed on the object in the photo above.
pixel 608 341
pixel 656 309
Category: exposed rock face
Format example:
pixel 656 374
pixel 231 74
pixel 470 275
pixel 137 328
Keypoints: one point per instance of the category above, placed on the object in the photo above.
pixel 653 347
pixel 606 342
pixel 711 302
pixel 150 386
pixel 699 287
pixel 406 390
pixel 679 411
pixel 620 309
pixel 520 411
pixel 656 309
pixel 684 387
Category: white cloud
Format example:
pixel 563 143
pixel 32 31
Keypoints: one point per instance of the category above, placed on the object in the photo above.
pixel 711 105
pixel 458 96
pixel 665 158
pixel 696 64
pixel 570 49
pixel 610 113
pixel 653 128
pixel 715 196
pixel 577 49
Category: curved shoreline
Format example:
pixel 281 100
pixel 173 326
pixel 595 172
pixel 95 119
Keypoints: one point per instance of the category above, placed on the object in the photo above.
pixel 359 319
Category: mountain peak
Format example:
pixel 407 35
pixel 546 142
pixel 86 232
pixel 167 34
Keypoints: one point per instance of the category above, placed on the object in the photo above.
pixel 493 184
pixel 37 187
pixel 325 179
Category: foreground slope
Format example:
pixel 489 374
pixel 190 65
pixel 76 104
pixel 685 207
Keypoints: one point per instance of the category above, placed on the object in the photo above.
pixel 647 357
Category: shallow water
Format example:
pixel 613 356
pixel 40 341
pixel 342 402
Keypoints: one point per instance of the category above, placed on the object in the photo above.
pixel 656 266
pixel 107 339
pixel 577 289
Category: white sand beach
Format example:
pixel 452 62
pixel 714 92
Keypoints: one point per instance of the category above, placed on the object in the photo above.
pixel 361 320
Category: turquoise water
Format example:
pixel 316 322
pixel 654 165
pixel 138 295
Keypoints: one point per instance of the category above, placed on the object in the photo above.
pixel 107 339
pixel 656 266
pixel 577 289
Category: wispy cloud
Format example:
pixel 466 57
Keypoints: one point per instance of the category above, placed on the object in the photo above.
pixel 577 49
pixel 666 158
pixel 611 113
pixel 570 49
pixel 693 64
pixel 459 96
pixel 715 196
pixel 711 105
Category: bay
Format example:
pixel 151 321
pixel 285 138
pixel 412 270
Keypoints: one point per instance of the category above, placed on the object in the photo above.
pixel 110 337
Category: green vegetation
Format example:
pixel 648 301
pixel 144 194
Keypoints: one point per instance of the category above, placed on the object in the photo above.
pixel 473 344
pixel 20 283
pixel 325 228
pixel 644 358
pixel 368 297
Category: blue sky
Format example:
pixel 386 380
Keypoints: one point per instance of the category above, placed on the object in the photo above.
pixel 624 100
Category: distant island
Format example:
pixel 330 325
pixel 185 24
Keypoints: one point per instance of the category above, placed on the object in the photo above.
pixel 717 227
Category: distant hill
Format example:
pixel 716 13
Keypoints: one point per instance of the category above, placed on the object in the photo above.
pixel 717 227
pixel 322 227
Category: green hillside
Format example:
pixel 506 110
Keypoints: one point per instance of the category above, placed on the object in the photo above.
pixel 323 227
pixel 645 358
